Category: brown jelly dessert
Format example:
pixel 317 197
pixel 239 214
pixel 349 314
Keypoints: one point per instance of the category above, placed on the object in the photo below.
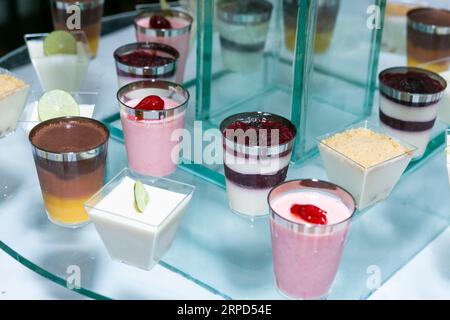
pixel 70 156
pixel 429 38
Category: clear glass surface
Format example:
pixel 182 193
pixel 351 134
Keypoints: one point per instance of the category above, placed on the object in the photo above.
pixel 228 255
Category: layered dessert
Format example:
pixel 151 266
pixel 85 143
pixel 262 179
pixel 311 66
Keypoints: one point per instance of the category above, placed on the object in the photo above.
pixel 169 27
pixel 152 112
pixel 145 60
pixel 429 38
pixel 309 223
pixel 90 18
pixel 365 162
pixel 70 156
pixel 137 218
pixel 326 20
pixel 60 59
pixel 13 98
pixel 257 152
pixel 243 27
pixel 444 110
pixel 409 102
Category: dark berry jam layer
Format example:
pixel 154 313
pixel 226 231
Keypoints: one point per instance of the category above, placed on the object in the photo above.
pixel 412 82
pixel 256 181
pixel 144 58
pixel 409 126
pixel 245 48
pixel 259 132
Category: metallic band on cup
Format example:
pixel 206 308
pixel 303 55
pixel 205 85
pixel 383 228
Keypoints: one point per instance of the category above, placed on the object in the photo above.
pixel 64 5
pixel 227 15
pixel 426 28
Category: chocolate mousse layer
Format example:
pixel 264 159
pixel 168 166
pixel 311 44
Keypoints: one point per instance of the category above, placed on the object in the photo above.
pixel 256 181
pixel 410 126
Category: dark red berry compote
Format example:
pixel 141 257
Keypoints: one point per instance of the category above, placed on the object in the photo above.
pixel 141 61
pixel 409 102
pixel 257 152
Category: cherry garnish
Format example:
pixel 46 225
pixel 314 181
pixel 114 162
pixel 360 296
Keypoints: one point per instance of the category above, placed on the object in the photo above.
pixel 151 103
pixel 263 128
pixel 310 213
pixel 412 82
pixel 159 22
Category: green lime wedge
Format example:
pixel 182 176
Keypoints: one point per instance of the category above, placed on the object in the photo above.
pixel 141 196
pixel 60 42
pixel 57 103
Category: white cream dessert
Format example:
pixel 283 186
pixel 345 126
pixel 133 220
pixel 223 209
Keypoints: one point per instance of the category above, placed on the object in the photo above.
pixel 365 163
pixel 243 28
pixel 138 238
pixel 444 110
pixel 64 71
pixel 13 97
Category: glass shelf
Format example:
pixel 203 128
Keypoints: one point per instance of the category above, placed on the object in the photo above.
pixel 225 254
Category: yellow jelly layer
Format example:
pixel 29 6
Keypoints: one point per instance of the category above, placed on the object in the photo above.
pixel 66 210
pixel 435 67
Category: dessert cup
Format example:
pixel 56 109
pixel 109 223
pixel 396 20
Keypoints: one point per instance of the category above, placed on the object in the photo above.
pixel 59 71
pixel 177 36
pixel 243 27
pixel 371 182
pixel 144 61
pixel 152 149
pixel 91 12
pixel 30 117
pixel 70 157
pixel 429 37
pixel 252 168
pixel 409 105
pixel 131 237
pixel 306 256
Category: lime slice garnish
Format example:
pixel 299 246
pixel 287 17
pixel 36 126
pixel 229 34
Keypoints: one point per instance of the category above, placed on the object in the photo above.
pixel 60 42
pixel 57 103
pixel 141 196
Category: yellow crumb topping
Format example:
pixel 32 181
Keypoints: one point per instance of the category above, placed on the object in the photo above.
pixel 9 84
pixel 365 147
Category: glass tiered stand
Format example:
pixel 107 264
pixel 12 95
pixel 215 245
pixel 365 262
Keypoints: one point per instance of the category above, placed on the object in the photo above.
pixel 322 83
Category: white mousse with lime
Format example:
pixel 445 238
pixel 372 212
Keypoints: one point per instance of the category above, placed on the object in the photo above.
pixel 60 60
pixel 137 221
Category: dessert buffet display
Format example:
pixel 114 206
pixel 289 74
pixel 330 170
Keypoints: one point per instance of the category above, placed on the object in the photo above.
pixel 299 152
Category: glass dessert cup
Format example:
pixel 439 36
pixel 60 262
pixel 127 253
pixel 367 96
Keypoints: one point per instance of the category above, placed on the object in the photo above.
pixel 243 27
pixel 429 38
pixel 369 184
pixel 145 60
pixel 447 152
pixel 306 256
pixel 150 142
pixel 30 117
pixel 251 170
pixel 59 71
pixel 70 157
pixel 131 237
pixel 13 97
pixel 177 36
pixel 326 20
pixel 91 12
pixel 411 115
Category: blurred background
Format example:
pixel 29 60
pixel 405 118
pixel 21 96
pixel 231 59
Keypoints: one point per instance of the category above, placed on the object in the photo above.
pixel 18 17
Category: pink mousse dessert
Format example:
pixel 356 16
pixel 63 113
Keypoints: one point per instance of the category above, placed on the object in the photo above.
pixel 152 112
pixel 309 223
pixel 170 27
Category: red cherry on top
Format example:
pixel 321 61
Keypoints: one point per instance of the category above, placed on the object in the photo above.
pixel 159 22
pixel 151 103
pixel 310 213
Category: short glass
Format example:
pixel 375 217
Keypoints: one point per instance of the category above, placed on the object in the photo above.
pixel 60 71
pixel 90 20
pixel 429 38
pixel 368 185
pixel 152 149
pixel 177 36
pixel 130 71
pixel 252 170
pixel 30 117
pixel 243 31
pixel 326 20
pixel 68 178
pixel 132 239
pixel 409 116
pixel 306 256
